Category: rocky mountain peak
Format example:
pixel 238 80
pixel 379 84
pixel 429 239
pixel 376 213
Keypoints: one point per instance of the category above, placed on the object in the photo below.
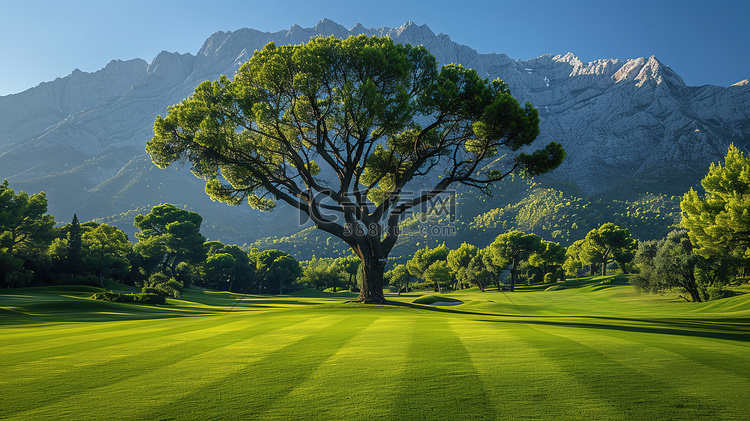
pixel 644 70
pixel 413 30
pixel 327 27
pixel 168 64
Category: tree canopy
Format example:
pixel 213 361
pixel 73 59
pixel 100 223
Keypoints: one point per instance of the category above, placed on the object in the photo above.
pixel 169 235
pixel 608 243
pixel 25 231
pixel 338 128
pixel 510 249
pixel 672 263
pixel 719 222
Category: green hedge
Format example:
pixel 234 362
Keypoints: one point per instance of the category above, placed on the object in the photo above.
pixel 141 298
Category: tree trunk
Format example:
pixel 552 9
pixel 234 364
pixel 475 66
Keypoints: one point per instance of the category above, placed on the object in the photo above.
pixel 372 282
pixel 694 294
pixel 691 286
pixel 513 275
pixel 604 263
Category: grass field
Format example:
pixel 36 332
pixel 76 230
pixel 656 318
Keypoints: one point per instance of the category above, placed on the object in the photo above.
pixel 589 351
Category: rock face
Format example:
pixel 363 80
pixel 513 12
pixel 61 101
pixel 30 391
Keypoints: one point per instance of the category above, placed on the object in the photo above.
pixel 627 125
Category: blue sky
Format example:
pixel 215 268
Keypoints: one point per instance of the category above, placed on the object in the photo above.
pixel 705 42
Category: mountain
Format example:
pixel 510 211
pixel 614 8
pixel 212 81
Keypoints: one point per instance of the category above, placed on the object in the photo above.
pixel 628 126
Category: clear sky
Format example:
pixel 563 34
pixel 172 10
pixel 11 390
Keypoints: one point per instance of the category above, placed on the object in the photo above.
pixel 706 42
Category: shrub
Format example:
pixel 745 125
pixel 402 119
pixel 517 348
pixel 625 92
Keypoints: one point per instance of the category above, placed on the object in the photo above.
pixel 174 283
pixel 157 278
pixel 140 298
pixel 550 278
pixel 160 283
pixel 150 290
pixel 168 290
pixel 719 292
pixel 149 298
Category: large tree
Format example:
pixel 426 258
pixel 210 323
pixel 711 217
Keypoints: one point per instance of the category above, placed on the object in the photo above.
pixel 719 222
pixel 338 128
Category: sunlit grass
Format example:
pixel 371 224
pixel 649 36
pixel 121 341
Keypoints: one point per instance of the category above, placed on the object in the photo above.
pixel 590 351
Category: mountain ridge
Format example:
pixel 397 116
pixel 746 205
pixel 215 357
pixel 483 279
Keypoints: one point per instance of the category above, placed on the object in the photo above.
pixel 627 125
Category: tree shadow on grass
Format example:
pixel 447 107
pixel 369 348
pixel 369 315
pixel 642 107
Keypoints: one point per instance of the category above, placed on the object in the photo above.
pixel 735 329
pixel 712 331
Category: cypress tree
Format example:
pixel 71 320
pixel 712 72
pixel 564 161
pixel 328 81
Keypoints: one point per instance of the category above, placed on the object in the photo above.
pixel 75 248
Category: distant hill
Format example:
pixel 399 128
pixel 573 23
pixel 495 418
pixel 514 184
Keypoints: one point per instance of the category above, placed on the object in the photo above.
pixel 628 126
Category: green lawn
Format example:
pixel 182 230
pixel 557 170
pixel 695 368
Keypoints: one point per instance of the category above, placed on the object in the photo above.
pixel 589 351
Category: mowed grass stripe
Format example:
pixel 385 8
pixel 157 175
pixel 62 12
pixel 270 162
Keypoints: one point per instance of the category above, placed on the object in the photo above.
pixel 440 381
pixel 30 333
pixel 255 386
pixel 82 342
pixel 637 395
pixel 358 380
pixel 525 381
pixel 15 338
pixel 723 381
pixel 157 356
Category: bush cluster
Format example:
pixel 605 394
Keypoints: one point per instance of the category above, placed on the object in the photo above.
pixel 139 298
pixel 718 292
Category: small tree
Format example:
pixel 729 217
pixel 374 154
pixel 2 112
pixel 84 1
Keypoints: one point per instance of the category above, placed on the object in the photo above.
pixel 276 269
pixel 424 258
pixel 74 256
pixel 106 249
pixel 338 129
pixel 512 248
pixel 459 260
pixel 609 243
pixel 669 263
pixel 322 274
pixel 168 236
pixel 227 267
pixel 217 270
pixel 438 273
pixel 399 278
pixel 25 226
pixel 351 266
pixel 477 272
pixel 549 258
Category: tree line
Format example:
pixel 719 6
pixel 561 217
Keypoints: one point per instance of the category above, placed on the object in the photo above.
pixel 709 251
pixel 170 252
